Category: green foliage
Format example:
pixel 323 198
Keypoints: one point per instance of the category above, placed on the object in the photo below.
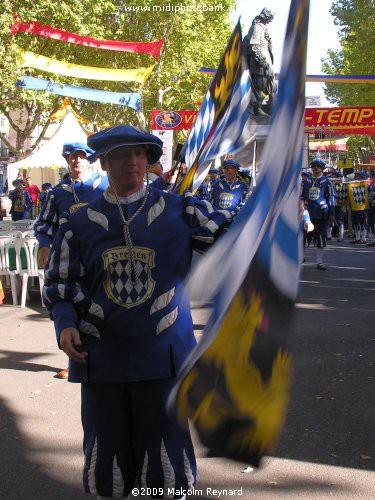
pixel 193 39
pixel 356 21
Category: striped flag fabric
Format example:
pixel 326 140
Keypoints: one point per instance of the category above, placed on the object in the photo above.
pixel 235 385
pixel 221 126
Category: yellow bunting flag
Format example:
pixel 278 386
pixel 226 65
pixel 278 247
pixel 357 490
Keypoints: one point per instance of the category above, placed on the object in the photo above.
pixel 28 59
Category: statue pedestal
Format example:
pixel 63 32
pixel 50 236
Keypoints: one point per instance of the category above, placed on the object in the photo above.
pixel 258 129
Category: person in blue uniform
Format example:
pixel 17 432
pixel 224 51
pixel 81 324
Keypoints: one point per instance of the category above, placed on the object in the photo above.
pixel 229 193
pixel 74 192
pixel 336 178
pixel 319 195
pixel 114 287
pixel 359 219
pixel 46 187
pixel 21 201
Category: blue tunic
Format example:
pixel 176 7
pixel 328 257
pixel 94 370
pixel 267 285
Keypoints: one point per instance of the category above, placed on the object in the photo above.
pixel 228 196
pixel 132 332
pixel 320 195
pixel 61 199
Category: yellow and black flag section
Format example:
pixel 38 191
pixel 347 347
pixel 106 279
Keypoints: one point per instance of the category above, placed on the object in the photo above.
pixel 237 392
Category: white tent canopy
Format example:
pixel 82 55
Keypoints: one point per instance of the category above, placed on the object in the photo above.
pixel 49 155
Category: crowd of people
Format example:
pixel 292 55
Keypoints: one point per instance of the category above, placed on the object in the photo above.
pixel 330 205
pixel 27 198
pixel 116 249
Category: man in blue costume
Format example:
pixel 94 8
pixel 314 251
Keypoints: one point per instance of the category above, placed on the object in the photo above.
pixel 114 287
pixel 319 194
pixel 336 178
pixel 229 193
pixel 21 201
pixel 77 190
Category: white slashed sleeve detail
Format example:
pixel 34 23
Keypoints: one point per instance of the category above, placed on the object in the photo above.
pixel 88 328
pixel 226 214
pixel 98 218
pixel 79 297
pixel 117 480
pixel 205 222
pixel 144 472
pixel 91 471
pixel 61 289
pixel 96 182
pixel 48 207
pixel 168 471
pixel 162 301
pixel 167 321
pixel 156 210
pixel 208 206
pixel 96 310
pixel 64 260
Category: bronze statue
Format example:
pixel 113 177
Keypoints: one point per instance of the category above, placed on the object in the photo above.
pixel 258 48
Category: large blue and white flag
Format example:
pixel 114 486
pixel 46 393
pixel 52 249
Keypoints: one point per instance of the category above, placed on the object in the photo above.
pixel 222 124
pixel 235 385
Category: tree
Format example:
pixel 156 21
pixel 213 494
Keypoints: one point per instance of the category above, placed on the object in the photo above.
pixel 193 39
pixel 356 19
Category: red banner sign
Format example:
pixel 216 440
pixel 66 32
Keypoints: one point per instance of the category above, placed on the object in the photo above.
pixel 348 120
pixel 173 120
pixel 340 117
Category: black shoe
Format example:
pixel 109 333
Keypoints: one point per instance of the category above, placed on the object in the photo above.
pixel 321 267
pixel 356 242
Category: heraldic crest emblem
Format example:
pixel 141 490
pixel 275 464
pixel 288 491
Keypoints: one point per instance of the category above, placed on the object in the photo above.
pixel 119 286
pixel 225 200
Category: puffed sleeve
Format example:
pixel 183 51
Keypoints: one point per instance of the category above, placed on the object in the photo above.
pixel 64 293
pixel 47 224
pixel 206 223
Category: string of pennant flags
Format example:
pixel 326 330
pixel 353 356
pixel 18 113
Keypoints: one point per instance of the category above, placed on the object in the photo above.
pixel 28 59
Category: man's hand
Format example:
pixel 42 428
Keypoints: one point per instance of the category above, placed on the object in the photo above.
pixel 43 254
pixel 331 220
pixel 69 338
pixel 168 176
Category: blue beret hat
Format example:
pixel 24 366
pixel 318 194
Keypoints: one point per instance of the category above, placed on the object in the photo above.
pixel 125 135
pixel 213 171
pixel 46 184
pixel 319 162
pixel 231 163
pixel 361 173
pixel 72 147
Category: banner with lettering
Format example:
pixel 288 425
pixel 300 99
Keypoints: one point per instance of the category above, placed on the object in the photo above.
pixel 348 117
pixel 345 120
pixel 173 120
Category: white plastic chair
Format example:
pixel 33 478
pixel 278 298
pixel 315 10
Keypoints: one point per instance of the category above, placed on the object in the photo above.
pixel 15 234
pixel 7 242
pixel 23 224
pixel 30 246
pixel 28 234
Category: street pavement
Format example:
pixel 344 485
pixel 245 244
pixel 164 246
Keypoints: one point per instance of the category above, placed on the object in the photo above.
pixel 327 448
